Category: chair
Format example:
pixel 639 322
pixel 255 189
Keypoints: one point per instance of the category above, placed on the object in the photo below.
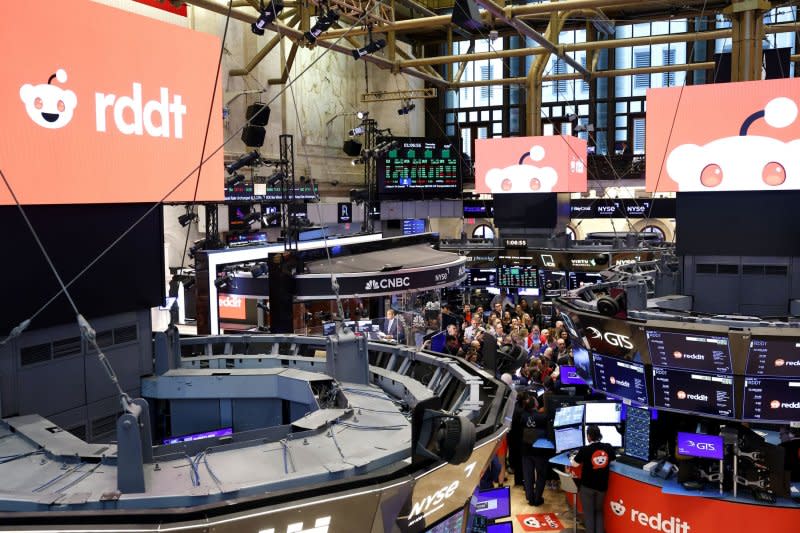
pixel 568 485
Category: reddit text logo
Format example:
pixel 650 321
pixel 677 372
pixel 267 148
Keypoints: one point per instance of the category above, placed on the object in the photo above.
pixel 49 106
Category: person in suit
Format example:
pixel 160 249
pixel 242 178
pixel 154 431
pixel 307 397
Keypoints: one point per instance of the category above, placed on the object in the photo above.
pixel 392 326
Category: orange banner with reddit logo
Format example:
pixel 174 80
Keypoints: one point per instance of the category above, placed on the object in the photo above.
pixel 724 137
pixel 104 106
pixel 530 164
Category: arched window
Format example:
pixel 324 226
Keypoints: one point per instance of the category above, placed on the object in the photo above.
pixel 484 231
pixel 654 229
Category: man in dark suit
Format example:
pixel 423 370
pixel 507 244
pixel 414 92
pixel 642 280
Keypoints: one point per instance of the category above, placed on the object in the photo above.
pixel 392 326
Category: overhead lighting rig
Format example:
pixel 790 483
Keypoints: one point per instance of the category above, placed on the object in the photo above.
pixel 267 16
pixel 322 25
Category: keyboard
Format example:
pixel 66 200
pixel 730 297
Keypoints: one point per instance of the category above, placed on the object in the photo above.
pixel 631 461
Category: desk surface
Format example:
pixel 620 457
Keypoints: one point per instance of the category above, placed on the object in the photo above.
pixel 671 486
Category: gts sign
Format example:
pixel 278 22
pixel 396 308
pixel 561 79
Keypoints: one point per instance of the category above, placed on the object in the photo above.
pixel 614 339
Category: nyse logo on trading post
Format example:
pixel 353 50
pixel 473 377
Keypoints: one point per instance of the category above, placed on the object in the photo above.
pixel 53 107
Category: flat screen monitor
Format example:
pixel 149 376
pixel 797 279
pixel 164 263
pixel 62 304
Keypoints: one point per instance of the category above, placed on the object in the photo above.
pixel 482 277
pixel 438 342
pixel 603 413
pixel 771 399
pixel 568 415
pixel 524 276
pixel 528 292
pixel 699 445
pixel 502 527
pixel 611 435
pixel 583 366
pixel 620 378
pixel 412 226
pixel 689 350
pixel 364 326
pixel 328 328
pixel 552 282
pixel 637 433
pixel 569 376
pixel 419 168
pixel 774 356
pixel 581 279
pixel 236 216
pixel 236 240
pixel 450 524
pixel 199 436
pixel 568 438
pixel 494 503
pixel 682 390
pixel 478 208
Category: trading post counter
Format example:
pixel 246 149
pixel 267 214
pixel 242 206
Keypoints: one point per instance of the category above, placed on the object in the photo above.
pixel 639 502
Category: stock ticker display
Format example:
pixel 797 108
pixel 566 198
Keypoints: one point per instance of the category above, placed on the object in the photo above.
pixel 624 379
pixel 771 399
pixel 422 167
pixel 524 276
pixel 689 350
pixel 774 356
pixel 692 391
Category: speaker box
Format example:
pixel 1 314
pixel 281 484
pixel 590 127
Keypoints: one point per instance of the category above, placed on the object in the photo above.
pixel 257 114
pixel 253 136
pixel 352 148
pixel 466 15
pixel 776 63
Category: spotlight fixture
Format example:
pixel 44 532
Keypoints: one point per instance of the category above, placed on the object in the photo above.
pixel 322 25
pixel 224 279
pixel 187 218
pixel 259 269
pixel 252 218
pixel 275 179
pixel 355 132
pixel 406 108
pixel 236 179
pixel 369 48
pixel 267 16
pixel 357 161
pixel 361 115
pixel 271 219
pixel 246 160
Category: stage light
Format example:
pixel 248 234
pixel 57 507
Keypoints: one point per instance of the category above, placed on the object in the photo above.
pixel 187 218
pixel 406 108
pixel 355 132
pixel 323 24
pixel 275 179
pixel 271 219
pixel 225 279
pixel 259 270
pixel 369 48
pixel 235 180
pixel 361 115
pixel 244 161
pixel 267 16
pixel 357 161
pixel 252 218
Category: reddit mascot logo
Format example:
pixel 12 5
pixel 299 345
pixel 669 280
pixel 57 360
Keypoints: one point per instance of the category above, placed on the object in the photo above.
pixel 49 106
pixel 617 508
pixel 523 177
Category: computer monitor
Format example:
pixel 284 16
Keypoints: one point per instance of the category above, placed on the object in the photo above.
pixel 494 503
pixel 502 527
pixel 620 378
pixel 771 399
pixel 689 350
pixel 568 416
pixel 699 445
pixel 637 433
pixel 328 328
pixel 603 413
pixel 438 342
pixel 681 390
pixel 568 439
pixel 610 433
pixel 569 376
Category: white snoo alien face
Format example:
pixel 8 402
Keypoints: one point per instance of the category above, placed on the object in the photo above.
pixel 741 162
pixel 523 177
pixel 48 105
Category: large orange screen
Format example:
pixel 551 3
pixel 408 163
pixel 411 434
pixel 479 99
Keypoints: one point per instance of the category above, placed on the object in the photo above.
pixel 724 137
pixel 103 106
